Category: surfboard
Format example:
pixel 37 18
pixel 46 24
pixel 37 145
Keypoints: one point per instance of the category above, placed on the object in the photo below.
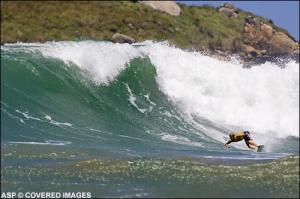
pixel 260 148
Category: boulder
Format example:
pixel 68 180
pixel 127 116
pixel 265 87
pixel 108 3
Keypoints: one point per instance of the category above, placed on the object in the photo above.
pixel 250 51
pixel 227 11
pixel 251 33
pixel 260 38
pixel 250 20
pixel 227 5
pixel 266 31
pixel 283 44
pixel 120 38
pixel 296 48
pixel 130 26
pixel 169 7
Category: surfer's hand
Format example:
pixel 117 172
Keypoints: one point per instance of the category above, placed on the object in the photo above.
pixel 226 145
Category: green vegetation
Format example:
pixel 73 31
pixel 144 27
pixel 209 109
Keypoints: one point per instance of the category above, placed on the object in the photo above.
pixel 197 27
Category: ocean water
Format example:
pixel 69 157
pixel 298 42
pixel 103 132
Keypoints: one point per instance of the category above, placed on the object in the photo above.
pixel 148 120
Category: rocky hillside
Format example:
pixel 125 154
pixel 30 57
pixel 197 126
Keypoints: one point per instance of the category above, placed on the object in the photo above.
pixel 220 31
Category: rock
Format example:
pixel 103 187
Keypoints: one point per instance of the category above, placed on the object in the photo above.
pixel 262 40
pixel 130 26
pixel 169 7
pixel 221 53
pixel 120 38
pixel 251 33
pixel 247 28
pixel 227 5
pixel 250 20
pixel 257 33
pixel 282 44
pixel 77 33
pixel 296 48
pixel 266 31
pixel 227 11
pixel 113 29
pixel 250 51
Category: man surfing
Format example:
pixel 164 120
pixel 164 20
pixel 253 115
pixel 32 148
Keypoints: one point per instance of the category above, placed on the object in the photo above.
pixel 243 135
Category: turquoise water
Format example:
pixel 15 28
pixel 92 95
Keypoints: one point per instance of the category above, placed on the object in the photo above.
pixel 117 132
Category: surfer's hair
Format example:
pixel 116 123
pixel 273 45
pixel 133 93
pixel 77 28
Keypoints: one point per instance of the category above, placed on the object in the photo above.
pixel 246 132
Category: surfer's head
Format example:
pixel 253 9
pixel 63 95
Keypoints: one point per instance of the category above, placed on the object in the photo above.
pixel 247 132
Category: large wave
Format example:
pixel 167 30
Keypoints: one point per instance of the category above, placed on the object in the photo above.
pixel 121 91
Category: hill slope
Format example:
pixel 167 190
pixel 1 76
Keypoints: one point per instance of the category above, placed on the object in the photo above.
pixel 199 28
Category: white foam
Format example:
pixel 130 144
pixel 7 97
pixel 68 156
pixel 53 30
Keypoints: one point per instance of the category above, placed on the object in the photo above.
pixel 48 117
pixel 102 61
pixel 264 98
pixel 27 115
pixel 132 100
pixel 47 142
pixel 149 100
pixel 179 140
pixel 105 132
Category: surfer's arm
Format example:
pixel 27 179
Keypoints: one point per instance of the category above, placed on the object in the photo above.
pixel 227 143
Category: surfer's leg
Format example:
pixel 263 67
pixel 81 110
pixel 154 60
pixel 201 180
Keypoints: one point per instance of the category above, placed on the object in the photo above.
pixel 252 143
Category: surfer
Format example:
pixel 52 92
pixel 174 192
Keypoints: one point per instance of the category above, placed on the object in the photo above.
pixel 239 136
